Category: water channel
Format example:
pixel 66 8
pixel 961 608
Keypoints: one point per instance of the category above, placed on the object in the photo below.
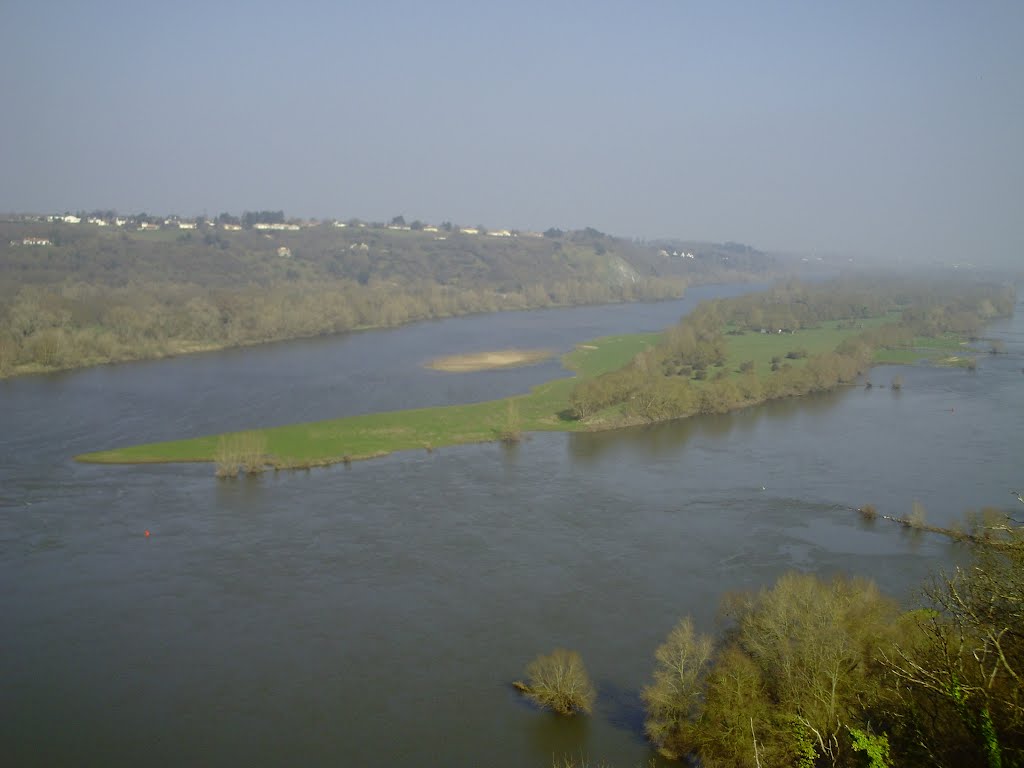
pixel 373 615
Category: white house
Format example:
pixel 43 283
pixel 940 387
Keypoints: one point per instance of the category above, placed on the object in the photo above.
pixel 277 227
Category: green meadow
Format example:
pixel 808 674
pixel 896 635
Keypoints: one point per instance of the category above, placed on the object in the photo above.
pixel 545 408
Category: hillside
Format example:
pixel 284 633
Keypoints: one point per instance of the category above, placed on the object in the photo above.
pixel 81 293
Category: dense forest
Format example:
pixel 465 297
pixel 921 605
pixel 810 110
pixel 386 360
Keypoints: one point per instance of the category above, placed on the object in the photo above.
pixel 74 294
pixel 687 373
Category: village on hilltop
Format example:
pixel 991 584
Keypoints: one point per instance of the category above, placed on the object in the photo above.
pixel 265 221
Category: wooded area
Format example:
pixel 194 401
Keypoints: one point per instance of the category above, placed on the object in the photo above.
pixel 688 373
pixel 97 294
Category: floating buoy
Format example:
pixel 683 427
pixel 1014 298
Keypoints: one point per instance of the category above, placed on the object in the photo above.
pixel 146 534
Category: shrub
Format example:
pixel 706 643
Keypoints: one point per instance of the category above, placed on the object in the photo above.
pixel 917 515
pixel 240 452
pixel 559 681
pixel 868 512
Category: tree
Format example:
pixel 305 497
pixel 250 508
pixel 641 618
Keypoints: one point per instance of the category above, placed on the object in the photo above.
pixel 559 681
pixel 398 221
pixel 795 672
pixel 962 670
pixel 674 700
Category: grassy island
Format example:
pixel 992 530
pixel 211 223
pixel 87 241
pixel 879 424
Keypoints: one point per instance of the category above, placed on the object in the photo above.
pixel 727 354
pixel 321 443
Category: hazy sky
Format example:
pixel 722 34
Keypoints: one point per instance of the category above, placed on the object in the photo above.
pixel 878 128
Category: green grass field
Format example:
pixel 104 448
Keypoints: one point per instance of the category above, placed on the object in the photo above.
pixel 357 437
pixel 544 408
pixel 762 347
pixel 948 349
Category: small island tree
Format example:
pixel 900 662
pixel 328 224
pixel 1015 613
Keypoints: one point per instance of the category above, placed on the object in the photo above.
pixel 558 681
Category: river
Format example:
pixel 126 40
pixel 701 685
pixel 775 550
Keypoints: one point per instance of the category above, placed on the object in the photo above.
pixel 374 615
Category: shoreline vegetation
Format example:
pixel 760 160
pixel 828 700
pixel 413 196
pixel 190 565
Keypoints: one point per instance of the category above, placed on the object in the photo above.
pixel 726 355
pixel 109 289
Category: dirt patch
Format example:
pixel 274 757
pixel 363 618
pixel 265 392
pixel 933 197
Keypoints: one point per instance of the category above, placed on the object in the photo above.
pixel 484 361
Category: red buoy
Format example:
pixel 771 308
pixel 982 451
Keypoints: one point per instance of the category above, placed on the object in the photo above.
pixel 146 534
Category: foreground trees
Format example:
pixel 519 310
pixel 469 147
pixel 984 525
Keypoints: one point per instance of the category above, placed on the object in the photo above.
pixel 960 677
pixel 829 673
pixel 794 675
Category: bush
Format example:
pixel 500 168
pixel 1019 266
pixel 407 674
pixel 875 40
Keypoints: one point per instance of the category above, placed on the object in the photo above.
pixel 559 681
pixel 240 452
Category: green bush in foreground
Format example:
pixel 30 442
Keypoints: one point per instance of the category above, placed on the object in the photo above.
pixel 559 681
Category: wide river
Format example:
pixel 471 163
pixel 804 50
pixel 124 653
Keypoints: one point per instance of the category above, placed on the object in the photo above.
pixel 374 615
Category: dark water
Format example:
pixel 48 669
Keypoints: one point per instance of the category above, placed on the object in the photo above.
pixel 373 615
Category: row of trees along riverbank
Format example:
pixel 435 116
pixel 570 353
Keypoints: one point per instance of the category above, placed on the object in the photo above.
pixel 91 295
pixel 691 370
pixel 815 673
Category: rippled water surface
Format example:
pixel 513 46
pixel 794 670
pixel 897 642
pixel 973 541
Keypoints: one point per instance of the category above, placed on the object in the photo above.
pixel 374 615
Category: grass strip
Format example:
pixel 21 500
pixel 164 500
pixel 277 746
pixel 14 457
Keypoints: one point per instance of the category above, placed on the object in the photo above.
pixel 545 408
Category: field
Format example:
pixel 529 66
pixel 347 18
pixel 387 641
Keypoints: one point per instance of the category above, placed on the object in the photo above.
pixel 545 408
pixel 359 437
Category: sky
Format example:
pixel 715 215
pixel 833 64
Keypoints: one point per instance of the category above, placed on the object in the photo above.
pixel 892 130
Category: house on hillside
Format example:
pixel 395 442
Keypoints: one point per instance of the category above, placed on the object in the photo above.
pixel 31 241
pixel 276 226
pixel 146 226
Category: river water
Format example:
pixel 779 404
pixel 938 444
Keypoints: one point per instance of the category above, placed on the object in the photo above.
pixel 373 615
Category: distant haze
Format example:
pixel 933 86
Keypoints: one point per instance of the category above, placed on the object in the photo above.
pixel 890 130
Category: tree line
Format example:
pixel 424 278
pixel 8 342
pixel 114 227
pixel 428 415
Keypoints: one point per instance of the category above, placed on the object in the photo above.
pixel 685 373
pixel 100 294
pixel 78 324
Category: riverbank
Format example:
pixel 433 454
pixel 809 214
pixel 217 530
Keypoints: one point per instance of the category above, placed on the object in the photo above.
pixel 547 407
